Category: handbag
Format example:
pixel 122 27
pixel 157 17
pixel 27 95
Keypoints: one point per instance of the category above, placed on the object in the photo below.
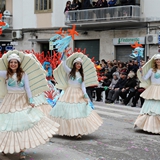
pixel 141 90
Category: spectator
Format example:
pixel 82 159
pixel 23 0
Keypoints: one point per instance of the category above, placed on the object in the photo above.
pixel 86 5
pixel 76 5
pixel 111 3
pixel 128 87
pixel 101 13
pixel 112 85
pixel 114 93
pixel 104 66
pixel 135 66
pixel 89 91
pixel 67 8
pixel 130 66
pixel 73 7
pixel 104 84
pixel 111 67
pixel 137 96
pixel 121 67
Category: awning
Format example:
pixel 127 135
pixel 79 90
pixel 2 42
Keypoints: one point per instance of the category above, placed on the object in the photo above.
pixel 39 40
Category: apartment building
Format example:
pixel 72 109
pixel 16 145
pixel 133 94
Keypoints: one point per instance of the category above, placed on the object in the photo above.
pixel 105 32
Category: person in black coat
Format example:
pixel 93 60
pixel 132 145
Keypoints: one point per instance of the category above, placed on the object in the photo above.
pixel 86 15
pixel 104 83
pixel 129 86
pixel 86 4
pixel 114 93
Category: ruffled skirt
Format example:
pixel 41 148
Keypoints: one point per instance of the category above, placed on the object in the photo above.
pixel 41 103
pixel 74 115
pixel 152 92
pixel 21 126
pixel 149 118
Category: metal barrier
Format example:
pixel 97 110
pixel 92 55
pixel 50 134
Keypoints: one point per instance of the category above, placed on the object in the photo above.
pixel 103 14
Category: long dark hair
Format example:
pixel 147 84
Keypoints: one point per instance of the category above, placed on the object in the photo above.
pixel 19 72
pixel 72 74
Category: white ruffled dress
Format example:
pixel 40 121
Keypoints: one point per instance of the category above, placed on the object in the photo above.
pixel 72 112
pixel 149 118
pixel 21 126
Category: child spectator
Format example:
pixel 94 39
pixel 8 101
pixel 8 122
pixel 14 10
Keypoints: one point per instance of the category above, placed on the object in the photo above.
pixel 113 83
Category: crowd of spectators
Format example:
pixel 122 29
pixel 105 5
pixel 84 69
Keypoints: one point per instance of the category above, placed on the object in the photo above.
pixel 91 4
pixel 119 82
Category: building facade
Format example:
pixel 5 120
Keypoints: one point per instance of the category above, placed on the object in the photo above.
pixel 105 33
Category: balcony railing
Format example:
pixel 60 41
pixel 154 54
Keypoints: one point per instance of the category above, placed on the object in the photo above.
pixel 108 14
pixel 9 20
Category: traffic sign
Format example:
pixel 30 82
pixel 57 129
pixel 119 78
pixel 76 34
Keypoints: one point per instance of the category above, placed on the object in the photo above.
pixel 51 45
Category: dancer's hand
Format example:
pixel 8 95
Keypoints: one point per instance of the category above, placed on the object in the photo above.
pixel 140 69
pixel 32 104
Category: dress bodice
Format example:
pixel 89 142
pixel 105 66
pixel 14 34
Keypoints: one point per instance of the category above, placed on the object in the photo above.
pixel 75 81
pixel 12 82
pixel 154 76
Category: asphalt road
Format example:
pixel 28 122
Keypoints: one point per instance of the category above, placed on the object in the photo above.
pixel 116 139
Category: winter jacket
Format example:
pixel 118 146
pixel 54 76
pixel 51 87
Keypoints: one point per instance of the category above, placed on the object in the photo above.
pixel 121 83
pixel 113 83
pixel 112 3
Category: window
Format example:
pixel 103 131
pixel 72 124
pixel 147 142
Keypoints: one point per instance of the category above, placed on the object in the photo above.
pixel 43 6
pixel 2 6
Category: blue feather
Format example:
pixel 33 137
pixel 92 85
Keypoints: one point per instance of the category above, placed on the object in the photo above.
pixel 57 36
pixel 52 102
pixel 62 44
pixel 91 105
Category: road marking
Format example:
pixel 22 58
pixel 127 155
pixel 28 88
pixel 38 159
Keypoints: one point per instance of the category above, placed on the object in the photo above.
pixel 109 114
pixel 117 110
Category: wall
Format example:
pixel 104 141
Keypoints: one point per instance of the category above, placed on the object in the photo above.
pixel 9 4
pixel 107 49
pixel 24 16
pixel 151 8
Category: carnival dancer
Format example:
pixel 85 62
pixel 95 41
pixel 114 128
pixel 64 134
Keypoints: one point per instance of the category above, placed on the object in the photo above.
pixel 149 75
pixel 48 68
pixel 23 126
pixel 47 99
pixel 72 111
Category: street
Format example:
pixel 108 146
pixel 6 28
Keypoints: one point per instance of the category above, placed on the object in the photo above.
pixel 116 139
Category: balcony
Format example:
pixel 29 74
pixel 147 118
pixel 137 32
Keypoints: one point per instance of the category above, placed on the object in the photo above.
pixel 110 17
pixel 8 19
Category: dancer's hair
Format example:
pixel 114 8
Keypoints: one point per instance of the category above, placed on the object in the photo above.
pixel 73 72
pixel 19 72
pixel 154 66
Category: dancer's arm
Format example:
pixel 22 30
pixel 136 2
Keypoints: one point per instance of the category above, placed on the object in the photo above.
pixel 148 75
pixel 84 90
pixel 66 68
pixel 28 90
pixel 3 74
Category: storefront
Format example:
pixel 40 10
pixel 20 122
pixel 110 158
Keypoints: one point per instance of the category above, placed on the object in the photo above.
pixel 91 46
pixel 123 47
